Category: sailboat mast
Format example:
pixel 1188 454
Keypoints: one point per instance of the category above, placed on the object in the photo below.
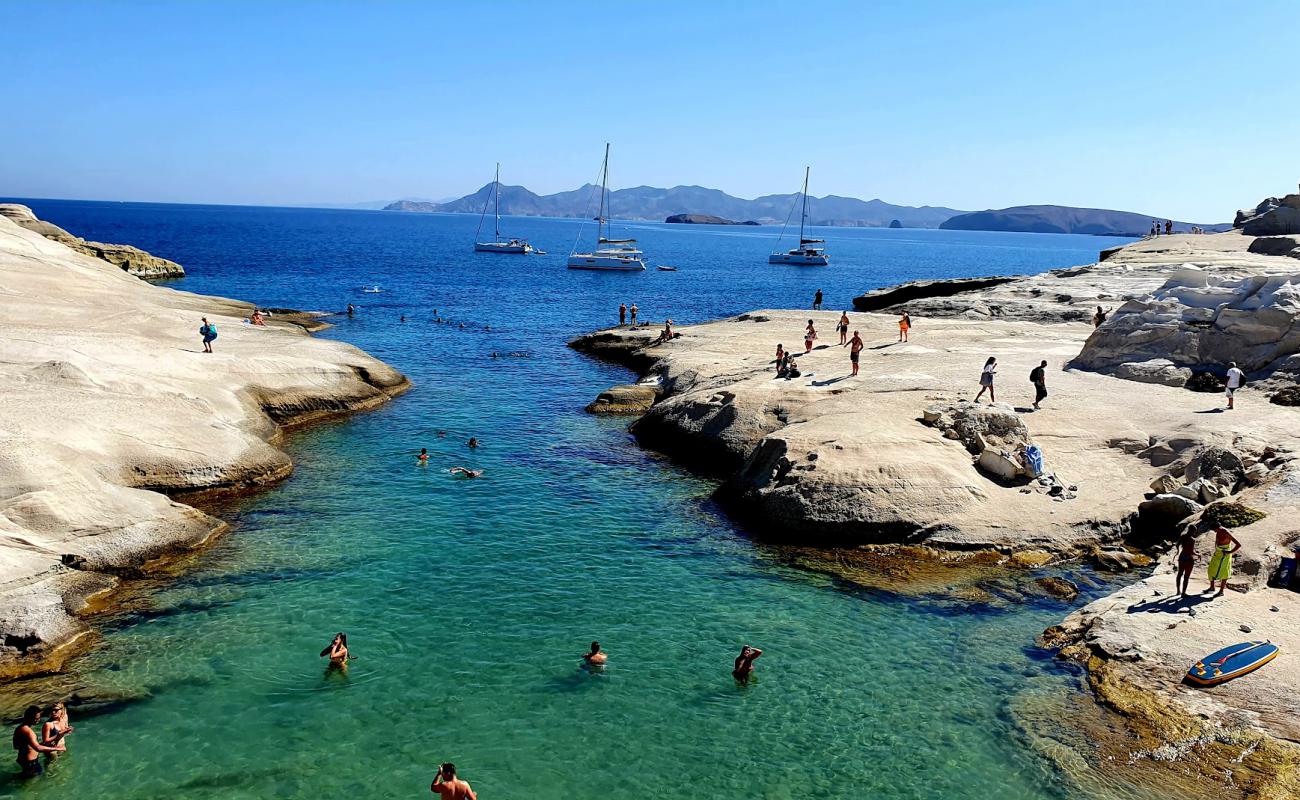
pixel 496 203
pixel 604 190
pixel 803 212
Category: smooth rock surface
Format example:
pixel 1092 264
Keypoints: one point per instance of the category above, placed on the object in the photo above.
pixel 131 259
pixel 107 401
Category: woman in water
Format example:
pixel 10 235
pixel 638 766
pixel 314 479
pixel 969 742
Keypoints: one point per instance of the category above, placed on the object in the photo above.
pixel 744 666
pixel 986 379
pixel 337 651
pixel 1225 544
pixel 54 730
pixel 424 456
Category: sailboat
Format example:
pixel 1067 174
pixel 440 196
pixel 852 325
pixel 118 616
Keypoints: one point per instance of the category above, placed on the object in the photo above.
pixel 619 255
pixel 498 245
pixel 806 254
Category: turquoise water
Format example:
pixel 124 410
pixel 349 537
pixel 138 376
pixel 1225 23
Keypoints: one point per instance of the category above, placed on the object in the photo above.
pixel 468 603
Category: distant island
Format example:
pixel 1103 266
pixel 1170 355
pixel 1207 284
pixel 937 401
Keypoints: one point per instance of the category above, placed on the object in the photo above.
pixel 698 205
pixel 705 219
pixel 1066 219
pixel 650 203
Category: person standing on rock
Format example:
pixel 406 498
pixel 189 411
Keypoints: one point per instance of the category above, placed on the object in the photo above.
pixel 986 380
pixel 1235 378
pixel 904 325
pixel 855 351
pixel 843 328
pixel 622 313
pixel 817 301
pixel 633 311
pixel 780 357
pixel 1225 544
pixel 209 332
pixel 1186 560
pixel 809 336
pixel 1169 227
pixel 1038 377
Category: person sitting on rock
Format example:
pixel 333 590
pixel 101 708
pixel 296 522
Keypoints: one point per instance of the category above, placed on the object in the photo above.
pixel 257 318
pixel 986 380
pixel 666 335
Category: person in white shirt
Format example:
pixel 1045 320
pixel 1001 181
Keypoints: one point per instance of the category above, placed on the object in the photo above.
pixel 1235 379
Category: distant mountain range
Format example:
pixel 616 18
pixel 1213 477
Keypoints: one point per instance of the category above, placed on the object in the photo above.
pixel 1065 219
pixel 649 203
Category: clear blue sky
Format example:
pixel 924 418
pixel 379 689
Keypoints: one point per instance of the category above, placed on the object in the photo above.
pixel 1182 109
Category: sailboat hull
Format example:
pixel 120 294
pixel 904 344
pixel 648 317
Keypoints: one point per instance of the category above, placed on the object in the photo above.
pixel 503 247
pixel 800 259
pixel 608 263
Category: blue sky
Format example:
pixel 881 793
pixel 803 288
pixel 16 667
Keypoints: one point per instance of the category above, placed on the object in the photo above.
pixel 1177 109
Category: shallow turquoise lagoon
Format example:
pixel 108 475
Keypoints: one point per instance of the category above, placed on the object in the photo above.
pixel 468 603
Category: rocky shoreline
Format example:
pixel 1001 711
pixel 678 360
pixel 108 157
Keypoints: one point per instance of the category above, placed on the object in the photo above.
pixel 898 463
pixel 112 412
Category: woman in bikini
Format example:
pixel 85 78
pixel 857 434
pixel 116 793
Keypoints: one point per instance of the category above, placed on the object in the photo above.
pixel 54 731
pixel 337 651
pixel 1186 561
pixel 809 336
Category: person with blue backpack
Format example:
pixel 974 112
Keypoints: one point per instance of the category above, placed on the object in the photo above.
pixel 209 332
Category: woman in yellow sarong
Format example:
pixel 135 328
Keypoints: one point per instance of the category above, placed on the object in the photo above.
pixel 1225 544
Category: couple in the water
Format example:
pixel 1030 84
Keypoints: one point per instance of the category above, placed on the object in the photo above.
pixel 30 745
pixel 742 670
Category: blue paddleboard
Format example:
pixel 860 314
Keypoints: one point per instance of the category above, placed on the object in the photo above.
pixel 1231 662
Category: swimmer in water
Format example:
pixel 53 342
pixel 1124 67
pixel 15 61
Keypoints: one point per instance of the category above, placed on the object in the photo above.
pixel 473 442
pixel 337 651
pixel 447 786
pixel 424 456
pixel 442 434
pixel 468 473
pixel 744 667
pixel 595 658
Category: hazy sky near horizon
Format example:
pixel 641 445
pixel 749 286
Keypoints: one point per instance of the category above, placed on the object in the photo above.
pixel 1168 108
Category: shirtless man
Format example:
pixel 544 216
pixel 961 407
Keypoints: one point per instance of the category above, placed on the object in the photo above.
pixel 843 328
pixel 595 658
pixel 446 785
pixel 28 746
pixel 855 350
pixel 744 667
pixel 468 473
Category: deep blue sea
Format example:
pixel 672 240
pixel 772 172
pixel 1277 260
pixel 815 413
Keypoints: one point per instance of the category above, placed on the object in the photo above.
pixel 468 603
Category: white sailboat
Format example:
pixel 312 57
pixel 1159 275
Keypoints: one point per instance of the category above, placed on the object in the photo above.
pixel 617 255
pixel 807 254
pixel 498 244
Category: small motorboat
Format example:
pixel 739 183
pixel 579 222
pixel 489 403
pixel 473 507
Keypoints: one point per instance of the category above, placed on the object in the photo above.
pixel 1231 662
pixel 666 269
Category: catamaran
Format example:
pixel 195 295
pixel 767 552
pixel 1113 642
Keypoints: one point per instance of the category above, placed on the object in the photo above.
pixel 807 254
pixel 498 244
pixel 619 255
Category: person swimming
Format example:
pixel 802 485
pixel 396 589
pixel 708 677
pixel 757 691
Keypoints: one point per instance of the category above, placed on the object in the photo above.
pixel 744 667
pixel 424 456
pixel 337 651
pixel 466 472
pixel 595 658
pixel 473 442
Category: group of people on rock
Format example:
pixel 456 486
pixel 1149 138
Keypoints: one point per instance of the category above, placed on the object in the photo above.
pixel 1156 227
pixel 1220 567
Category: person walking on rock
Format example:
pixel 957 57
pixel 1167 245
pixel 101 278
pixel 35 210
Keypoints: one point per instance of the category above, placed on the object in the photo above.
pixel 904 325
pixel 986 380
pixel 809 336
pixel 1225 544
pixel 855 352
pixel 817 301
pixel 622 313
pixel 209 332
pixel 1038 377
pixel 1235 379
pixel 843 328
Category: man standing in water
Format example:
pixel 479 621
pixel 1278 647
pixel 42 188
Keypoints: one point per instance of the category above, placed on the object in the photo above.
pixel 817 301
pixel 595 658
pixel 855 351
pixel 447 786
pixel 744 667
pixel 28 746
